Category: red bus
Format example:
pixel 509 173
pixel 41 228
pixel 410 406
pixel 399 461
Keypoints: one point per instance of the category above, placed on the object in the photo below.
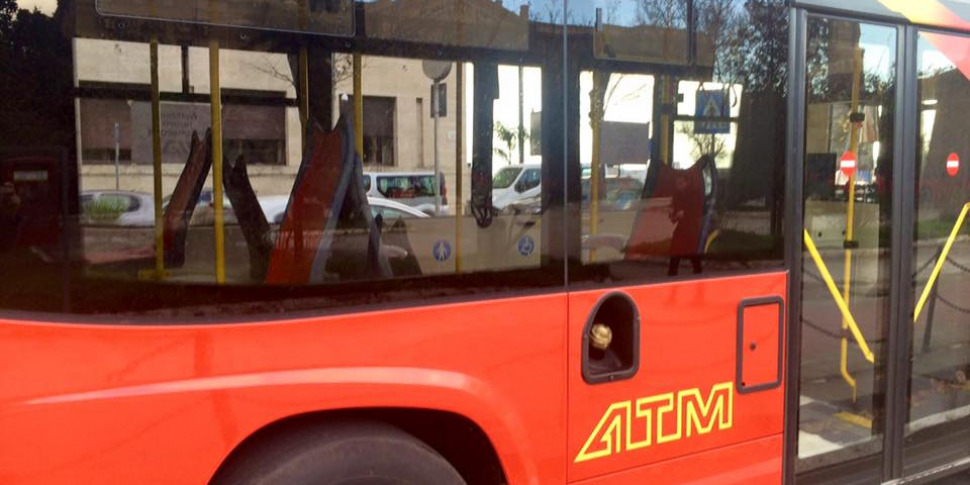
pixel 739 261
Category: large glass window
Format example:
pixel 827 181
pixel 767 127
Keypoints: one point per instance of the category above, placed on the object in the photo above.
pixel 681 169
pixel 939 391
pixel 850 108
pixel 154 166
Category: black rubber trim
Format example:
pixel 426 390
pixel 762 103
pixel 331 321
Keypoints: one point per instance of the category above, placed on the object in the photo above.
pixel 739 368
pixel 622 375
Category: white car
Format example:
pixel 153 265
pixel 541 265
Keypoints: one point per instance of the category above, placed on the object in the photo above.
pixel 516 183
pixel 117 208
pixel 274 206
pixel 414 189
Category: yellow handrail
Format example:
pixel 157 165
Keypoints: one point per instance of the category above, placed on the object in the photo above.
pixel 939 264
pixel 839 301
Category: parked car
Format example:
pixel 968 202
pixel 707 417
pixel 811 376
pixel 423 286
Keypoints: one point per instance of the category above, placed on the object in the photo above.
pixel 117 208
pixel 515 184
pixel 414 189
pixel 274 206
pixel 204 212
pixel 617 193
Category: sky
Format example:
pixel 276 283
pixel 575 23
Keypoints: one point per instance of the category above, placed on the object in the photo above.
pixel 46 6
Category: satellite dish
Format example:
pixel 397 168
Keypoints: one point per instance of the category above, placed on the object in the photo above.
pixel 436 70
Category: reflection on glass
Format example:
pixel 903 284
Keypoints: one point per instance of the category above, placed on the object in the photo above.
pixel 684 175
pixel 615 151
pixel 341 169
pixel 939 401
pixel 851 86
pixel 334 17
pixel 644 31
pixel 466 23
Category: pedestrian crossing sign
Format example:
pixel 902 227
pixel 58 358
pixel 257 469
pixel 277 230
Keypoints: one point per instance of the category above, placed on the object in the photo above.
pixel 711 105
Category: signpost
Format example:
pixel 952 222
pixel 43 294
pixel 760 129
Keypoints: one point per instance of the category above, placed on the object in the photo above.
pixel 437 71
pixel 117 140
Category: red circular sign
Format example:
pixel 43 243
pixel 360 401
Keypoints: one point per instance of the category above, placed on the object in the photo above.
pixel 953 164
pixel 848 164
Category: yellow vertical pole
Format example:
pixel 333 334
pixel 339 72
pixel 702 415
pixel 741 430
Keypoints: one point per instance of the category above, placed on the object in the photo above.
pixel 304 86
pixel 216 104
pixel 666 99
pixel 854 130
pixel 359 105
pixel 459 158
pixel 596 118
pixel 304 77
pixel 157 161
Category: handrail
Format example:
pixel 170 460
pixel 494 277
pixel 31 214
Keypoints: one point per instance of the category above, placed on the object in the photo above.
pixel 944 255
pixel 839 301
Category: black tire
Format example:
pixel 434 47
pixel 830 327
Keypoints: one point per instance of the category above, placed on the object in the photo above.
pixel 348 453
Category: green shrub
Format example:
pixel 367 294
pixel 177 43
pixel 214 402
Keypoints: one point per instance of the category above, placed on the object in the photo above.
pixel 104 210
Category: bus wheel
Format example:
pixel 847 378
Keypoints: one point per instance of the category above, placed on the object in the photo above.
pixel 349 453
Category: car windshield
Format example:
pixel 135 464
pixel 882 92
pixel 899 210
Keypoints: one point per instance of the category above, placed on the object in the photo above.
pixel 505 177
pixel 406 186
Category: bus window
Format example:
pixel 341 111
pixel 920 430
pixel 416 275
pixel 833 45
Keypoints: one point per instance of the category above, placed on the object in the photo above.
pixel 939 392
pixel 186 189
pixel 683 173
pixel 848 226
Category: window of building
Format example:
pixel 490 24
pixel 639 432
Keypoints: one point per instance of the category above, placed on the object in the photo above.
pixel 379 121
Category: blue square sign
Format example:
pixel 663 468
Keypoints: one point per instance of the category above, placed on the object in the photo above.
pixel 711 105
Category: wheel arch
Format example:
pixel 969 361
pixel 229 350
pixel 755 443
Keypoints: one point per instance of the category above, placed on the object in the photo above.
pixel 461 441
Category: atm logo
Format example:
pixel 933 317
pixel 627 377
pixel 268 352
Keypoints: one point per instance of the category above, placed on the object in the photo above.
pixel 654 420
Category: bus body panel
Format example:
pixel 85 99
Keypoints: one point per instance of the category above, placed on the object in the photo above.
pixel 167 404
pixel 757 462
pixel 684 398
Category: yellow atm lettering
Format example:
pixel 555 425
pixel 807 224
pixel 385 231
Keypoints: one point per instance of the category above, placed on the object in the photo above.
pixel 665 418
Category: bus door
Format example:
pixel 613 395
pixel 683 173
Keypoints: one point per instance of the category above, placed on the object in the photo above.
pixel 883 365
pixel 677 283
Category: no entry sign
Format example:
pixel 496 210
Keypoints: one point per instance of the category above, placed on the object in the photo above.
pixel 848 164
pixel 953 164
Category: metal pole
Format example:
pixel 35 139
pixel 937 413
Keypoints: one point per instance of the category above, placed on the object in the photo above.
pixel 303 83
pixel 435 105
pixel 598 111
pixel 521 116
pixel 850 222
pixel 459 157
pixel 931 312
pixel 216 104
pixel 117 135
pixel 359 105
pixel 157 162
pixel 304 95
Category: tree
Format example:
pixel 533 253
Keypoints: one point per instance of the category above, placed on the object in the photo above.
pixel 36 82
pixel 510 138
pixel 663 13
pixel 8 13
